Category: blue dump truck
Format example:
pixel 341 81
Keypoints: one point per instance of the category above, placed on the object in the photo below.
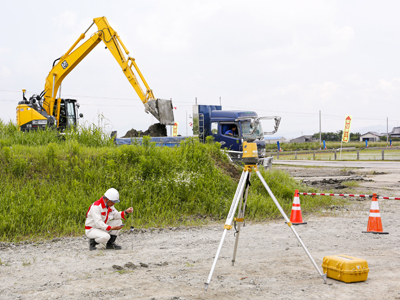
pixel 228 127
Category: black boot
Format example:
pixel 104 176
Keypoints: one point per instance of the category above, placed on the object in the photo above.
pixel 111 243
pixel 92 244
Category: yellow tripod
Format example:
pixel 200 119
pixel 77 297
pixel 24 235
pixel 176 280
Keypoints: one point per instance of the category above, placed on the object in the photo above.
pixel 250 158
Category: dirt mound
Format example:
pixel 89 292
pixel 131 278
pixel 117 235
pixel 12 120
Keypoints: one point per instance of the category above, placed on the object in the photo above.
pixel 154 130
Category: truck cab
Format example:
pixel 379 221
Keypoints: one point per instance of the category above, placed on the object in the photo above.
pixel 228 127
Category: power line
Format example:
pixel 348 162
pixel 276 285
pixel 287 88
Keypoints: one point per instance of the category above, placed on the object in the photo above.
pixel 296 114
pixel 97 97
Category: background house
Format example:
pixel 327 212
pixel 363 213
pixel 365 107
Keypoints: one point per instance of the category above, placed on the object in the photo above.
pixel 274 139
pixel 371 136
pixel 395 133
pixel 304 139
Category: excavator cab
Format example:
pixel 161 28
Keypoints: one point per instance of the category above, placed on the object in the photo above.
pixel 31 115
pixel 66 112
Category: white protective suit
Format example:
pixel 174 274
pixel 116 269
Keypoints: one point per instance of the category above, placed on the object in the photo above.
pixel 100 219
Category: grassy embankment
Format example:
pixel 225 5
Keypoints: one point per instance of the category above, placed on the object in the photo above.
pixel 47 183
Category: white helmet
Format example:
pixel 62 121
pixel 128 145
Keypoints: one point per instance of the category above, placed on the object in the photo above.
pixel 112 195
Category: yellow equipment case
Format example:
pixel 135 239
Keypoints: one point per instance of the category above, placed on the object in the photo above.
pixel 345 268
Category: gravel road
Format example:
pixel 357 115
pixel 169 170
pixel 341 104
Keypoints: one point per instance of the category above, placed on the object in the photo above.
pixel 174 263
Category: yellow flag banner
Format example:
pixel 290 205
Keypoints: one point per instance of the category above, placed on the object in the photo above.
pixel 346 131
pixel 175 129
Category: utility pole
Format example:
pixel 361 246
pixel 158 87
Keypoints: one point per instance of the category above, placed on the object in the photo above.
pixel 170 127
pixel 320 147
pixel 387 131
pixel 220 101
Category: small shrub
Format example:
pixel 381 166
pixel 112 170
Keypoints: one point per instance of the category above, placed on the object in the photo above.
pixel 7 153
pixel 19 166
pixel 51 152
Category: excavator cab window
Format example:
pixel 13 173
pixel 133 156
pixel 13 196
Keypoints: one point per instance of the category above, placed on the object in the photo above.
pixel 70 113
pixel 67 113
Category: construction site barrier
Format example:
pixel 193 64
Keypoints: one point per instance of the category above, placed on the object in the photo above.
pixel 374 220
pixel 351 153
pixel 348 195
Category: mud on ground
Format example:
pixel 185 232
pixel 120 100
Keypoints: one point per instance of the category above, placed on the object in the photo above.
pixel 364 180
pixel 174 263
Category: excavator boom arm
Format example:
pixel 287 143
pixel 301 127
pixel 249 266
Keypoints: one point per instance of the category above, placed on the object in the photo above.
pixel 161 109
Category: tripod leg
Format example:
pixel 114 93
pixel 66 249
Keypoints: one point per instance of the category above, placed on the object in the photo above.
pixel 240 218
pixel 228 222
pixel 290 224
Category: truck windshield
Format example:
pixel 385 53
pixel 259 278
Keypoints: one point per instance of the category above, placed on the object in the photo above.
pixel 246 131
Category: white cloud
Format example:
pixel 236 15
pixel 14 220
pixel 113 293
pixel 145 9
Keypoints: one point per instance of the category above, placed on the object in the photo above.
pixel 4 71
pixel 389 86
pixel 316 91
pixel 342 37
pixel 354 79
pixel 66 20
pixel 170 26
pixel 325 91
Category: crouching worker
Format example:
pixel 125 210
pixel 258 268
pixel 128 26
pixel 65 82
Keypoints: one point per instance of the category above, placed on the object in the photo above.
pixel 103 221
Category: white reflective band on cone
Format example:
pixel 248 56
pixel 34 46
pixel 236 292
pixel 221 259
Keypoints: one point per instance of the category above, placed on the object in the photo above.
pixel 375 215
pixel 374 205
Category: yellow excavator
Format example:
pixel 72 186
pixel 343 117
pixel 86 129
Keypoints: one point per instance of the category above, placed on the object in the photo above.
pixel 46 109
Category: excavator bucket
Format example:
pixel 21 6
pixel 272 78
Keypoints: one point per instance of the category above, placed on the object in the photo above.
pixel 162 110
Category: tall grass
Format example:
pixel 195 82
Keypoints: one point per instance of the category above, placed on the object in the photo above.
pixel 48 183
pixel 88 135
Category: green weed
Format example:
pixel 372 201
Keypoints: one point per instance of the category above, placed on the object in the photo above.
pixel 48 183
pixel 351 183
pixel 26 263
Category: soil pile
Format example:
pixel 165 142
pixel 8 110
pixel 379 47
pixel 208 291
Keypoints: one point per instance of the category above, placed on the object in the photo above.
pixel 155 130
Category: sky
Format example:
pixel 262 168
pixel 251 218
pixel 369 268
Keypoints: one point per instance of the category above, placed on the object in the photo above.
pixel 292 59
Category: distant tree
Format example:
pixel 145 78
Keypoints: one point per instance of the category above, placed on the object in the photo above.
pixel 329 136
pixel 394 139
pixel 355 137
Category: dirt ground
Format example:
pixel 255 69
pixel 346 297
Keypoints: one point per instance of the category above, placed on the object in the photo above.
pixel 174 263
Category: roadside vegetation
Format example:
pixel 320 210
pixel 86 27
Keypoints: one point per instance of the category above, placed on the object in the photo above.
pixel 49 181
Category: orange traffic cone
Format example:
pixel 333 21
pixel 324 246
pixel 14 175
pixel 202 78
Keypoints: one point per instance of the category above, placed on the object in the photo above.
pixel 295 216
pixel 374 220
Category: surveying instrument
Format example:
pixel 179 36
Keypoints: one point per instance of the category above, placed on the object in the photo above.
pixel 250 158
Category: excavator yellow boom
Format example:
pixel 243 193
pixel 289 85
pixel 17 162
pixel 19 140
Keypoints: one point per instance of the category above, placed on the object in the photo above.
pixel 161 109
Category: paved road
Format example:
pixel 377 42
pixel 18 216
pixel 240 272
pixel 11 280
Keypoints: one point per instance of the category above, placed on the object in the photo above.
pixel 373 165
